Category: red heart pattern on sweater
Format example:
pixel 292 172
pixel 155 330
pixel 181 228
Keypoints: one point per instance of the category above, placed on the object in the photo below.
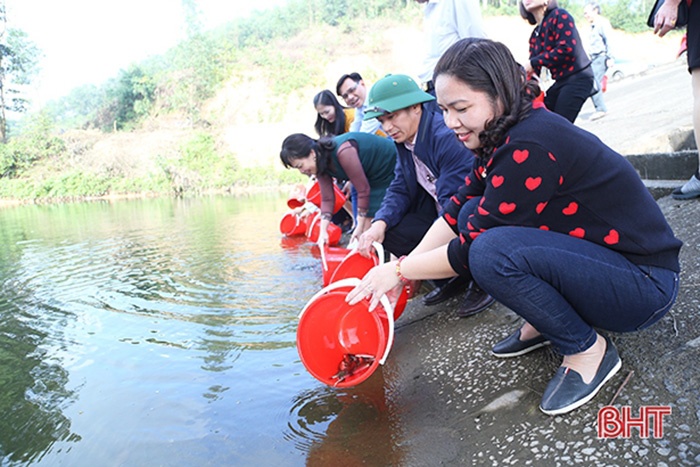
pixel 612 238
pixel 506 208
pixel 571 209
pixel 531 183
pixel 497 180
pixel 520 156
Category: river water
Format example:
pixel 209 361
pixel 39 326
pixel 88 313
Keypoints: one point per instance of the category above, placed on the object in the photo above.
pixel 162 332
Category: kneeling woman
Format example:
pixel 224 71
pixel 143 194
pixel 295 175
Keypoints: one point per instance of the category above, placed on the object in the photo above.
pixel 366 160
pixel 551 222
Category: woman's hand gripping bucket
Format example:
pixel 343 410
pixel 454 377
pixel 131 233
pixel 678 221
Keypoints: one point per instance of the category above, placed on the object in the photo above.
pixel 341 345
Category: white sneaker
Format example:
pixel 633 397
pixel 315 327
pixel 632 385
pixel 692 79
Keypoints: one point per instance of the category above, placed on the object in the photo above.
pixel 597 116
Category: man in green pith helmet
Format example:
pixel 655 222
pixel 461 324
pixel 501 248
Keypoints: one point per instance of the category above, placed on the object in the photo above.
pixel 431 166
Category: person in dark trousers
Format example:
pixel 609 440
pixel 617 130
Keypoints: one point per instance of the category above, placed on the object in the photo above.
pixel 534 225
pixel 555 44
pixel 665 21
pixel 430 167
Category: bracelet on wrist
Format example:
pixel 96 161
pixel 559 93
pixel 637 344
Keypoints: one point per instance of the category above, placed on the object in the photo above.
pixel 398 271
pixel 362 213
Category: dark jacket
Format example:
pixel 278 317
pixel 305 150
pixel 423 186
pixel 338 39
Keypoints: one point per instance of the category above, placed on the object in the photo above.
pixel 446 157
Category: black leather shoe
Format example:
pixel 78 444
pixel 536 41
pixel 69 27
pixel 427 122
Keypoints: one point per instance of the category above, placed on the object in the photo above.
pixel 448 290
pixel 475 301
pixel 512 346
pixel 567 391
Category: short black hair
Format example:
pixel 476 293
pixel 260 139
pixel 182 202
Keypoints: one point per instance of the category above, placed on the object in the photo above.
pixel 355 76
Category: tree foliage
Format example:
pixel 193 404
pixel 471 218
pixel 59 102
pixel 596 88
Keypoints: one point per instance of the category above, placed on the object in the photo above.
pixel 129 98
pixel 77 108
pixel 19 59
pixel 183 78
pixel 37 142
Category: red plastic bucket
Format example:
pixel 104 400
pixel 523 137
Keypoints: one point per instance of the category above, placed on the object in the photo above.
pixel 356 265
pixel 331 257
pixel 342 345
pixel 314 227
pixel 291 224
pixel 295 203
pixel 313 195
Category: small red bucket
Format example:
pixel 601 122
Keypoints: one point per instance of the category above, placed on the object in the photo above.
pixel 291 224
pixel 313 195
pixel 356 265
pixel 331 258
pixel 342 345
pixel 314 227
pixel 294 203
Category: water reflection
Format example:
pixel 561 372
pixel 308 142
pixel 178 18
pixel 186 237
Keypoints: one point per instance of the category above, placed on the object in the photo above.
pixel 34 385
pixel 165 329
pixel 346 427
pixel 128 326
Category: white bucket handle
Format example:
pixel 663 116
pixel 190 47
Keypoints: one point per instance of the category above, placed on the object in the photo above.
pixel 378 247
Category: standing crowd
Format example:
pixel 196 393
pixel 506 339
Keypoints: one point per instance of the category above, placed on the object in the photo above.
pixel 475 180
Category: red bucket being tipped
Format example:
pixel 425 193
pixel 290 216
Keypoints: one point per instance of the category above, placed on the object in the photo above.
pixel 294 203
pixel 356 265
pixel 292 224
pixel 314 228
pixel 331 257
pixel 342 345
pixel 313 195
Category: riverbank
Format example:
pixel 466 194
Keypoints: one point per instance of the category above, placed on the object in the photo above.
pixel 233 191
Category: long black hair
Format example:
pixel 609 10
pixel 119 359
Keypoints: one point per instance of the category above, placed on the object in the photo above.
pixel 324 127
pixel 299 146
pixel 488 66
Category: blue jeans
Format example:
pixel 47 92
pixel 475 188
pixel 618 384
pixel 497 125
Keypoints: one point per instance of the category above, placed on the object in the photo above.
pixel 565 286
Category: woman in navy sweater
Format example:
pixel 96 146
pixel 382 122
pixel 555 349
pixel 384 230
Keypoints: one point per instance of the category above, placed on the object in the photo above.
pixel 555 44
pixel 551 222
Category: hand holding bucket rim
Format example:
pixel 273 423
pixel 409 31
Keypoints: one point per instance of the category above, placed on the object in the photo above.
pixel 367 240
pixel 383 299
pixel 375 284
